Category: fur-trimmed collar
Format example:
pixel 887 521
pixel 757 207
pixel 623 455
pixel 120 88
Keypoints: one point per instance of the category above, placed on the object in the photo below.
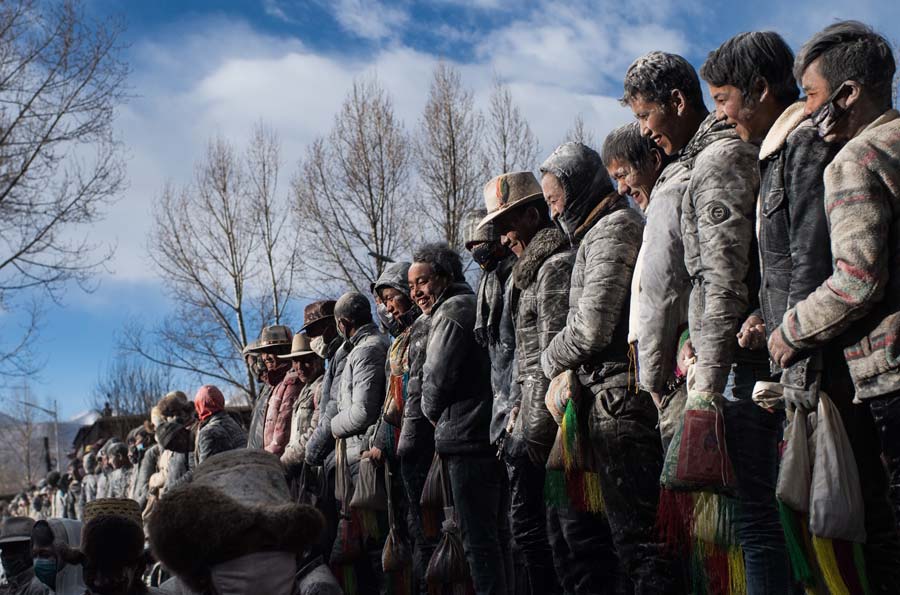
pixel 612 202
pixel 781 130
pixel 542 246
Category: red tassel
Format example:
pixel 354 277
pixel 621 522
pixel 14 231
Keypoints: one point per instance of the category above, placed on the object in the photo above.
pixel 843 553
pixel 675 519
pixel 717 571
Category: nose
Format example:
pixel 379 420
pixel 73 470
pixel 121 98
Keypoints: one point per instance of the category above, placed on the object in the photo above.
pixel 623 187
pixel 645 130
pixel 720 114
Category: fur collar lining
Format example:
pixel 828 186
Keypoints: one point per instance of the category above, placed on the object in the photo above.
pixel 542 246
pixel 612 202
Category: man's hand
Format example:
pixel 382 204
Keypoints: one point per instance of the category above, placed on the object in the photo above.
pixel 373 453
pixel 685 355
pixel 753 333
pixel 782 353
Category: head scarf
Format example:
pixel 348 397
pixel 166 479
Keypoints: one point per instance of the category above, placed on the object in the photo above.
pixel 208 401
pixel 584 179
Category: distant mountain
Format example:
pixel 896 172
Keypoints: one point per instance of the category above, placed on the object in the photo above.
pixel 85 418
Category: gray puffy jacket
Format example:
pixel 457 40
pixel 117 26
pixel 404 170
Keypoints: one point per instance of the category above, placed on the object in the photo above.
pixel 665 285
pixel 361 391
pixel 541 276
pixel 218 434
pixel 321 443
pixel 456 383
pixel 717 224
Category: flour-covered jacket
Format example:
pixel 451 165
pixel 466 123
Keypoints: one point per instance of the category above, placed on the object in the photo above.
pixel 717 224
pixel 594 341
pixel 303 423
pixel 416 432
pixel 665 286
pixel 456 383
pixel 862 295
pixel 362 389
pixel 541 276
pixel 218 434
pixel 321 443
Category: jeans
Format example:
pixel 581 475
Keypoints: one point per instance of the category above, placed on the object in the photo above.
pixel 752 435
pixel 477 484
pixel 528 516
pixel 414 470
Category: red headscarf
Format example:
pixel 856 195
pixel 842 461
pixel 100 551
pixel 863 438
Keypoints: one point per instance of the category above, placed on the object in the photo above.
pixel 209 401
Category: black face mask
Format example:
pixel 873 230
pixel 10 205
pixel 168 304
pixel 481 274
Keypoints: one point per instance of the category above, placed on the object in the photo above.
pixel 16 564
pixel 829 113
pixel 488 255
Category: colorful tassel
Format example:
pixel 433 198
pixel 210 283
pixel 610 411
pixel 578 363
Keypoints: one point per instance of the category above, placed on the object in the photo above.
pixel 737 574
pixel 828 565
pixel 674 515
pixel 555 489
pixel 795 542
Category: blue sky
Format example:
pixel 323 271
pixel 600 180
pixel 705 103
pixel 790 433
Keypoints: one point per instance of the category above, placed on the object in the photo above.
pixel 204 68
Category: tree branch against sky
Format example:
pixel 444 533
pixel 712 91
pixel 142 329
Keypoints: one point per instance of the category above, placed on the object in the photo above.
pixel 510 144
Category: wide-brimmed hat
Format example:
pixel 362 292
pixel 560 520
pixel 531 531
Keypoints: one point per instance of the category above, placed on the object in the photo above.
pixel 473 230
pixel 277 335
pixel 300 346
pixel 250 348
pixel 317 311
pixel 16 529
pixel 508 191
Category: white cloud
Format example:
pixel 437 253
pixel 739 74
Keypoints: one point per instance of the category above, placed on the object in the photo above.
pixel 369 19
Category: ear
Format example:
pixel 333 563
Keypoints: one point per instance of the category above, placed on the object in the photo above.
pixel 678 101
pixel 656 156
pixel 850 94
pixel 761 88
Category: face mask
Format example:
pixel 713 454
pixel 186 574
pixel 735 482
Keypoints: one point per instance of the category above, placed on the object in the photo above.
pixel 14 565
pixel 488 255
pixel 385 318
pixel 318 345
pixel 829 114
pixel 45 571
pixel 140 446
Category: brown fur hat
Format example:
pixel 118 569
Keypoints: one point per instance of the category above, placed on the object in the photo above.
pixel 238 504
pixel 175 404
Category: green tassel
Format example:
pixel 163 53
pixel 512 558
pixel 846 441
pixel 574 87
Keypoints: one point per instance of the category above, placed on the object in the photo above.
pixel 859 560
pixel 555 489
pixel 793 539
pixel 570 434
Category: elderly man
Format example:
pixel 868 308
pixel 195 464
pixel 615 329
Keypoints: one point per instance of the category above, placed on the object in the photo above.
pixel 606 234
pixel 16 558
pixel 457 398
pixel 718 213
pixel 309 368
pixel 540 278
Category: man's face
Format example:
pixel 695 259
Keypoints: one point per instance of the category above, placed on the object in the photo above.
pixel 661 123
pixel 424 286
pixel 110 579
pixel 270 361
pixel 815 87
pixel 516 228
pixel 829 107
pixel 307 367
pixel 634 182
pixel 734 110
pixel 554 194
pixel 396 303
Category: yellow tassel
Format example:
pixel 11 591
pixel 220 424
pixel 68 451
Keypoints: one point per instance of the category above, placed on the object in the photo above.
pixel 706 517
pixel 592 492
pixel 828 564
pixel 737 576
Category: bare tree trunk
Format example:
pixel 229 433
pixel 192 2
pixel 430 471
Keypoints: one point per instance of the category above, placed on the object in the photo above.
pixel 510 143
pixel 579 133
pixel 353 204
pixel 451 161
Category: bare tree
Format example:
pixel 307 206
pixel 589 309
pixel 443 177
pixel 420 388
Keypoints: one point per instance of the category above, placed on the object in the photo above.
pixel 20 438
pixel 352 196
pixel 510 144
pixel 131 386
pixel 579 133
pixel 60 165
pixel 451 161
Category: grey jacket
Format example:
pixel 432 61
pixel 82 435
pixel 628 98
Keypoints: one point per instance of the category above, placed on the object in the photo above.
pixel 362 390
pixel 304 420
pixel 456 384
pixel 541 276
pixel 147 467
pixel 665 285
pixel 24 583
pixel 218 434
pixel 321 443
pixel 717 224
pixel 594 341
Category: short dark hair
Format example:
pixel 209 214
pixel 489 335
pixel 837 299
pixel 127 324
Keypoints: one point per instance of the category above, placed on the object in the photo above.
pixel 851 50
pixel 443 259
pixel 626 143
pixel 747 57
pixel 655 75
pixel 355 307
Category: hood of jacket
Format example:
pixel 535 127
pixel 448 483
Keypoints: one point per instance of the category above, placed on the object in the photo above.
pixel 545 243
pixel 394 276
pixel 68 577
pixel 710 131
pixel 584 179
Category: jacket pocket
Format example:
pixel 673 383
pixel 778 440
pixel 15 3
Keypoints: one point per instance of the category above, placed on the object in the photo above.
pixel 775 232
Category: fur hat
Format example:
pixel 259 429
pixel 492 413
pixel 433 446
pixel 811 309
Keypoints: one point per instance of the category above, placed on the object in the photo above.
pixel 175 404
pixel 237 504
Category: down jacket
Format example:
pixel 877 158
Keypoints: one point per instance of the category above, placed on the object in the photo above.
pixel 594 341
pixel 256 436
pixel 361 391
pixel 321 443
pixel 862 200
pixel 416 432
pixel 217 434
pixel 278 413
pixel 665 285
pixel 303 423
pixel 541 276
pixel 717 225
pixel 456 383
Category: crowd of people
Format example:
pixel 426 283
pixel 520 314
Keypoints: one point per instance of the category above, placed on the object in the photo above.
pixel 678 373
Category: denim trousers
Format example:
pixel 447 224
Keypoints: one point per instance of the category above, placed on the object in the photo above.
pixel 752 435
pixel 478 483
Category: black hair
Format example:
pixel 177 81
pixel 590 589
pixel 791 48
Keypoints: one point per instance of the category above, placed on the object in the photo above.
pixel 748 57
pixel 851 50
pixel 42 534
pixel 355 307
pixel 655 75
pixel 626 143
pixel 443 259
